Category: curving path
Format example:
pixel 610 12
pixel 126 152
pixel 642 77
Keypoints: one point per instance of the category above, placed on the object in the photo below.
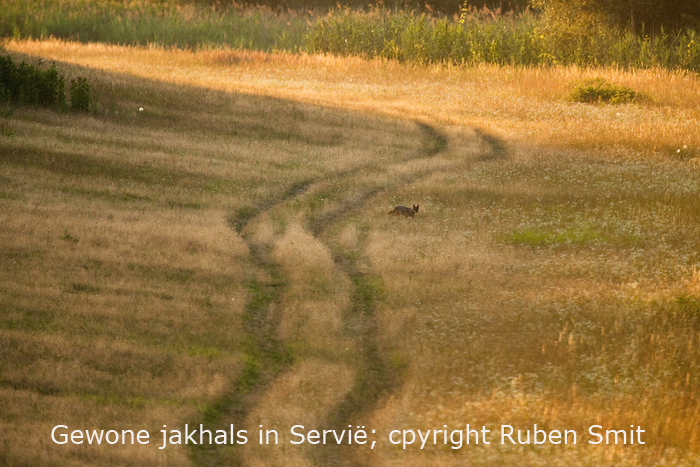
pixel 268 357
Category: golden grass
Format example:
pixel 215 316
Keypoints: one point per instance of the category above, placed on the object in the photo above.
pixel 527 104
pixel 311 311
pixel 549 277
pixel 303 396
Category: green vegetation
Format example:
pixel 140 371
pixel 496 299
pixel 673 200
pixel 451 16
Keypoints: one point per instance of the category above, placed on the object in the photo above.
pixel 574 236
pixel 634 15
pixel 441 6
pixel 475 36
pixel 504 40
pixel 598 90
pixel 143 22
pixel 80 95
pixel 424 39
pixel 25 84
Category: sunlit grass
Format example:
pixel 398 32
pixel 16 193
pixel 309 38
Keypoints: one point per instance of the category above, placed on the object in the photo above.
pixel 163 23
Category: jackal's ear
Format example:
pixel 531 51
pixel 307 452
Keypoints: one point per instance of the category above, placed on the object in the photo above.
pixel 415 207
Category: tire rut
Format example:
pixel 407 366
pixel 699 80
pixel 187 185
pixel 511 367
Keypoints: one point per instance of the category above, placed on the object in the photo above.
pixel 268 357
pixel 377 377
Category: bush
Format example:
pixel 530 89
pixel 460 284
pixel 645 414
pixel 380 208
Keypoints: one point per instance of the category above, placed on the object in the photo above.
pixel 80 95
pixel 50 88
pixel 599 90
pixel 7 78
pixel 25 84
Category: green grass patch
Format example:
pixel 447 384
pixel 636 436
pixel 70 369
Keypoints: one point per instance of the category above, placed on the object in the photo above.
pixel 28 319
pixel 209 352
pixel 369 289
pixel 241 216
pixel 7 131
pixel 535 237
pixel 179 275
pixel 688 307
pixel 80 99
pixel 599 90
pixel 68 237
pixel 477 38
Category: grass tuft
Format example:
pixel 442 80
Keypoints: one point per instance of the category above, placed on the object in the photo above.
pixel 76 287
pixel 68 237
pixel 600 90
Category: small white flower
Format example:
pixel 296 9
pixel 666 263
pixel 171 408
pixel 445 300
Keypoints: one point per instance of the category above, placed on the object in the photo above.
pixel 140 109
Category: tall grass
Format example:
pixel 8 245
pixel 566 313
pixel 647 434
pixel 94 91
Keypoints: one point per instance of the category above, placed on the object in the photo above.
pixel 474 38
pixel 425 39
pixel 504 40
pixel 142 23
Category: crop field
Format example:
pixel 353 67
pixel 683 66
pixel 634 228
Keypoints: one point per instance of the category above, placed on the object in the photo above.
pixel 210 246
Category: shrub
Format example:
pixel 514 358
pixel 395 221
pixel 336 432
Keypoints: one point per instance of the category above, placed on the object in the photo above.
pixel 80 95
pixel 50 88
pixel 599 90
pixel 7 79
pixel 26 84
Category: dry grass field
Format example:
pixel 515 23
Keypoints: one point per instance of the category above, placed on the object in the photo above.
pixel 224 256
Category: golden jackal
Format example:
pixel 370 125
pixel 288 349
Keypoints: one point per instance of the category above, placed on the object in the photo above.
pixel 404 211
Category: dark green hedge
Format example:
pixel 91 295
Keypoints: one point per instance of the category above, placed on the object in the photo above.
pixel 25 84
